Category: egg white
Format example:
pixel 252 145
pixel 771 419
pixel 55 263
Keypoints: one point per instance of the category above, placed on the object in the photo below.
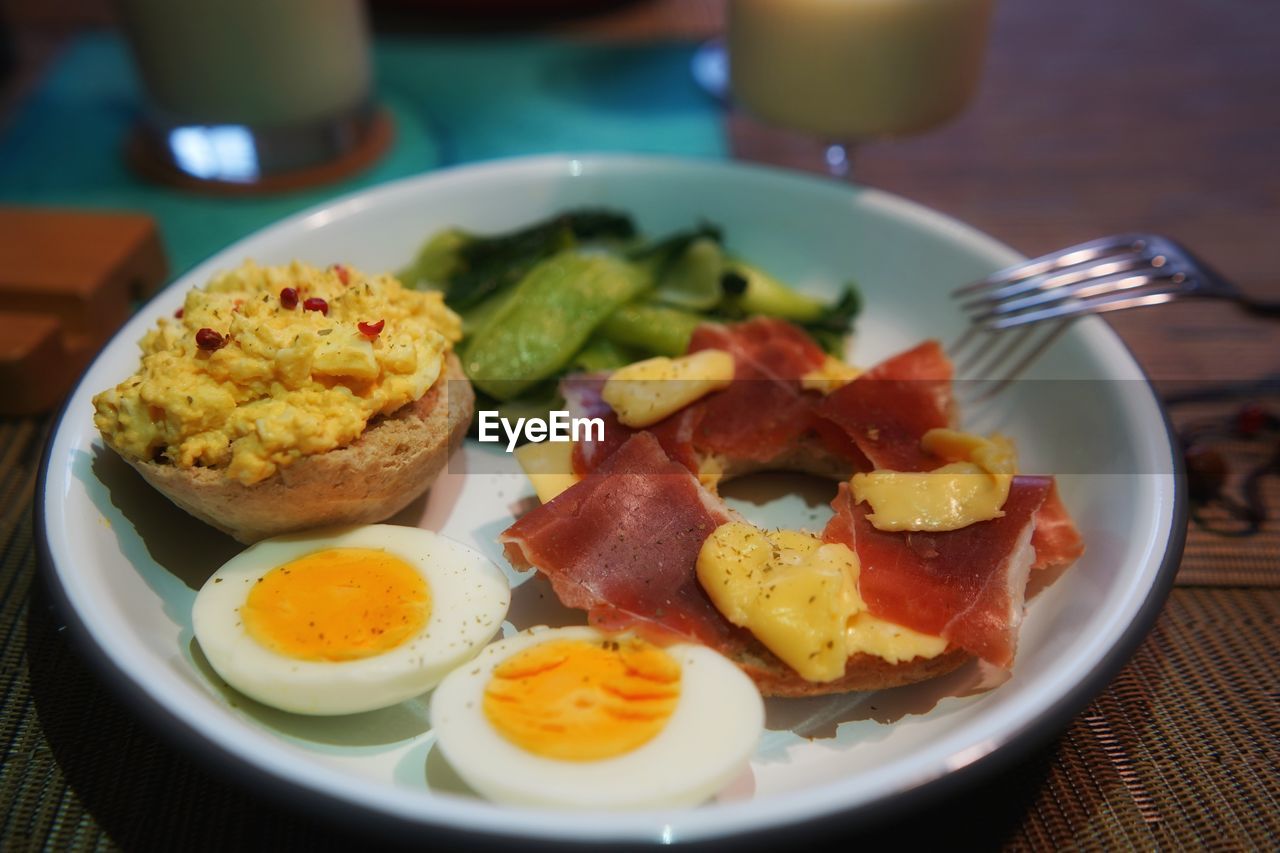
pixel 469 599
pixel 708 740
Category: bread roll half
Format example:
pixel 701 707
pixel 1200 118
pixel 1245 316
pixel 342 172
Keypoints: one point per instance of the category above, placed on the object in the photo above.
pixel 395 460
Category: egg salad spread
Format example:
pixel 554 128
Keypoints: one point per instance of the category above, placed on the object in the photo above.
pixel 266 365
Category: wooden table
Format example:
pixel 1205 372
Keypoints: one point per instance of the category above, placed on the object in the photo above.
pixel 1093 117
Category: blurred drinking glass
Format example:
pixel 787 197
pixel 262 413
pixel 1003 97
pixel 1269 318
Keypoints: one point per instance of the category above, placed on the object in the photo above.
pixel 243 91
pixel 854 70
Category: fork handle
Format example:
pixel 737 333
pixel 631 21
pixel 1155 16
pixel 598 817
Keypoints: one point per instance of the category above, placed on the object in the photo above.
pixel 1260 307
pixel 1219 286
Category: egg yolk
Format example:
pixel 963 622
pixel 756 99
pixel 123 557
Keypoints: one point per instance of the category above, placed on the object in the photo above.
pixel 577 700
pixel 337 605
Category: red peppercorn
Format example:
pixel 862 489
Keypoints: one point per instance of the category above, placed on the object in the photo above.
pixel 371 330
pixel 209 340
pixel 288 299
pixel 1252 419
pixel 315 303
pixel 344 275
pixel 178 313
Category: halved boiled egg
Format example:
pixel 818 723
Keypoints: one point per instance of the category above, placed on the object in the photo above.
pixel 575 718
pixel 349 619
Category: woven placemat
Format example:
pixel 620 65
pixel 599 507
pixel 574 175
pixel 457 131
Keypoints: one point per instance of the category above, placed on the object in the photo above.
pixel 1215 555
pixel 1214 558
pixel 1181 750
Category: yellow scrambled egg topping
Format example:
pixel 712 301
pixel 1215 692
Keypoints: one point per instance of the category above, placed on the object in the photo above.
pixel 273 383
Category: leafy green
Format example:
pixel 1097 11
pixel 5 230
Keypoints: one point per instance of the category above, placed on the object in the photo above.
pixel 581 291
pixel 750 290
pixel 692 279
pixel 549 315
pixel 651 329
pixel 470 268
pixel 601 354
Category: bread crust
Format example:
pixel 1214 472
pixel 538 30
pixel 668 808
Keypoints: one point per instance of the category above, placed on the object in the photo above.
pixel 861 672
pixel 800 459
pixel 395 460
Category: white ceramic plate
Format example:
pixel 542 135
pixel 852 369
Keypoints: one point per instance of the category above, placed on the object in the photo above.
pixel 127 565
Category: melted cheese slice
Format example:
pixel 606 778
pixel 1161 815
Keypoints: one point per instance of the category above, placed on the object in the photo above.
pixel 549 467
pixel 971 487
pixel 832 375
pixel 648 391
pixel 799 597
pixel 893 643
pixel 792 591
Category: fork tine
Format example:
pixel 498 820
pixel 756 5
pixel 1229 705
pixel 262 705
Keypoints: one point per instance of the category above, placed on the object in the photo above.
pixel 1104 267
pixel 998 349
pixel 956 349
pixel 972 346
pixel 1093 305
pixel 1083 290
pixel 1079 254
pixel 1018 367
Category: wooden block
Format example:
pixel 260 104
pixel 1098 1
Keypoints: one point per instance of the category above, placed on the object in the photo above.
pixel 35 364
pixel 67 281
pixel 84 267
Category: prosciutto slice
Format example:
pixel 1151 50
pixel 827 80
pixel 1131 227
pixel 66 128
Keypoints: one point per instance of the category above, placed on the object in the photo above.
pixel 1057 541
pixel 623 544
pixel 763 415
pixel 888 409
pixel 966 586
pixel 764 412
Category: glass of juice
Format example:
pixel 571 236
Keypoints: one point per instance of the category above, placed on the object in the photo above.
pixel 853 70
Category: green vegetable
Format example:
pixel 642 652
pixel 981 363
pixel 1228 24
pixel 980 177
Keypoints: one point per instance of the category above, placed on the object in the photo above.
pixel 548 317
pixel 438 260
pixel 751 290
pixel 477 317
pixel 831 329
pixel 603 354
pixel 470 268
pixel 692 278
pixel 580 291
pixel 838 317
pixel 653 329
pixel 656 257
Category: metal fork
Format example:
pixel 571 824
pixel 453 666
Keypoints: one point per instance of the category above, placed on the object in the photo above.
pixel 1017 313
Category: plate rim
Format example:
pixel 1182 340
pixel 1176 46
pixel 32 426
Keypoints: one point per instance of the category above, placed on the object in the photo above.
pixel 189 740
